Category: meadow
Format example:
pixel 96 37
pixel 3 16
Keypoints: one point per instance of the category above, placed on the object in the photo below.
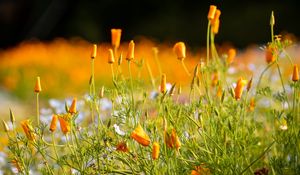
pixel 140 107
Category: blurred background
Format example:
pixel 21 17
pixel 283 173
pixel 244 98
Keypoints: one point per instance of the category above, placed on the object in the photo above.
pixel 242 22
pixel 53 39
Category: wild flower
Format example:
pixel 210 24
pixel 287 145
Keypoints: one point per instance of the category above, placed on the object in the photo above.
pixel 73 106
pixel 28 130
pixel 37 87
pixel 180 50
pixel 211 12
pixel 53 123
pixel 110 58
pixel 116 37
pixel 64 123
pixel 139 135
pixel 122 146
pixel 94 51
pixel 155 150
pixel 239 88
pixel 130 51
pixel 271 54
pixel 295 76
pixel 231 55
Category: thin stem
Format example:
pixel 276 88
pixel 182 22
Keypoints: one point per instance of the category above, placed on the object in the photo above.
pixel 150 74
pixel 37 109
pixel 261 75
pixel 185 68
pixel 112 71
pixel 207 43
pixel 131 89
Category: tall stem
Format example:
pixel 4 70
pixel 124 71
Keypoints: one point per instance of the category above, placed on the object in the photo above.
pixel 207 43
pixel 37 109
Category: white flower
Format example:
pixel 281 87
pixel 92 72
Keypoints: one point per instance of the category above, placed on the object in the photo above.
pixel 118 130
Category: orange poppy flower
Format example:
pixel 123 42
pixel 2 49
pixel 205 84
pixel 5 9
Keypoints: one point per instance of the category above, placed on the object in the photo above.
pixel 115 37
pixel 28 130
pixel 270 54
pixel 111 58
pixel 130 52
pixel 231 55
pixel 64 125
pixel 155 150
pixel 94 51
pixel 53 123
pixel 180 50
pixel 140 136
pixel 37 87
pixel 216 17
pixel 72 109
pixel 295 76
pixel 211 12
pixel 239 88
pixel 122 146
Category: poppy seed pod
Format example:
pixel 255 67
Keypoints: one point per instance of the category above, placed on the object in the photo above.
pixel 111 58
pixel 37 87
pixel 94 51
pixel 116 37
pixel 211 12
pixel 130 52
pixel 180 50
pixel 295 76
pixel 239 88
pixel 53 123
pixel 155 150
pixel 140 136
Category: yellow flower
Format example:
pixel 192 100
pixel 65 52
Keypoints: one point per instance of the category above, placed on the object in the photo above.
pixel 28 130
pixel 295 76
pixel 53 123
pixel 155 150
pixel 140 136
pixel 239 88
pixel 94 51
pixel 111 58
pixel 37 87
pixel 115 37
pixel 130 52
pixel 180 50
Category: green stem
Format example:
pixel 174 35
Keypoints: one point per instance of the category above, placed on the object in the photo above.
pixel 37 109
pixel 207 43
pixel 131 89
